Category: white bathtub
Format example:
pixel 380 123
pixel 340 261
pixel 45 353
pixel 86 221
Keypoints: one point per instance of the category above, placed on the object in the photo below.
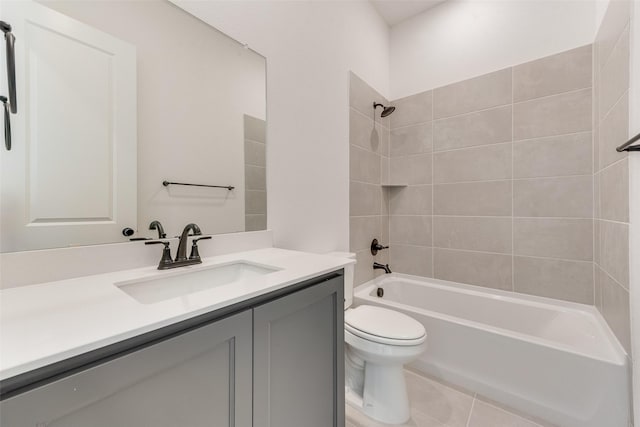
pixel 556 360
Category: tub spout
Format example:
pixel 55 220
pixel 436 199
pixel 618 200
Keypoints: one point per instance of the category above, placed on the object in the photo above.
pixel 385 267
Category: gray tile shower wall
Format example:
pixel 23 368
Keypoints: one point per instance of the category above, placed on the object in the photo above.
pixel 412 141
pixel 510 180
pixel 499 174
pixel 255 178
pixel 369 168
pixel 611 169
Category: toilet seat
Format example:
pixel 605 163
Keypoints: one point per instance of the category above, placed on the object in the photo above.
pixel 384 326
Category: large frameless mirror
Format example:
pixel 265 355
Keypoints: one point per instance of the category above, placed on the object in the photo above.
pixel 128 112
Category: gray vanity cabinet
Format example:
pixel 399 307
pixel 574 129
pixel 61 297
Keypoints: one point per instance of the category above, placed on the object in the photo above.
pixel 200 378
pixel 276 361
pixel 298 363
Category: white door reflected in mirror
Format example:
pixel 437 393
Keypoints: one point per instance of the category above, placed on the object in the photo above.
pixel 70 178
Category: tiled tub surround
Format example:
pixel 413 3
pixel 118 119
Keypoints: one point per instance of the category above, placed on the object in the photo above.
pixel 556 360
pixel 611 169
pixel 255 173
pixel 500 180
pixel 512 179
pixel 368 162
pixel 513 182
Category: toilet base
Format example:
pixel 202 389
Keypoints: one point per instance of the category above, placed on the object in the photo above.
pixel 374 371
pixel 384 396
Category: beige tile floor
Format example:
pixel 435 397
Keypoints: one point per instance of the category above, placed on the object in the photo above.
pixel 434 404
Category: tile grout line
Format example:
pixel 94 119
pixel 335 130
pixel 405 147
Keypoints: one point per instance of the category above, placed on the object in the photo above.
pixel 513 262
pixel 579 261
pixel 513 140
pixel 361 113
pixel 470 147
pixel 411 125
pixel 388 193
pixel 606 115
pixel 615 163
pixel 361 148
pixel 473 403
pixel 517 141
pixel 595 125
pixel 504 254
pixel 468 113
pixel 510 411
pixel 583 175
pixel 351 144
pixel 618 37
pixel 582 218
pixel 513 103
pixel 433 232
pixel 613 221
pixel 504 217
pixel 552 95
pixel 613 279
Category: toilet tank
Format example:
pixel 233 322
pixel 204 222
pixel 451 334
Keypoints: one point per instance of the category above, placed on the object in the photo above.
pixel 349 271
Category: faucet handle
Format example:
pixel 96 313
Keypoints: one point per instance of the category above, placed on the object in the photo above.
pixel 166 259
pixel 375 247
pixel 158 242
pixel 195 254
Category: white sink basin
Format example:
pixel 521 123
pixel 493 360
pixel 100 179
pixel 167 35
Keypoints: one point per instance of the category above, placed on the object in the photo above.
pixel 187 280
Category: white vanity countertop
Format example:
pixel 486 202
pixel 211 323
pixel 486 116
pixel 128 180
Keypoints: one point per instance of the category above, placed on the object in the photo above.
pixel 49 322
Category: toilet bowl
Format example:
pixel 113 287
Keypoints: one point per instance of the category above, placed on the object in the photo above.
pixel 379 342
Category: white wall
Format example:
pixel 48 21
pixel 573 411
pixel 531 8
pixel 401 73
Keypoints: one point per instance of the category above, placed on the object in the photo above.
pixel 601 10
pixel 310 48
pixel 460 39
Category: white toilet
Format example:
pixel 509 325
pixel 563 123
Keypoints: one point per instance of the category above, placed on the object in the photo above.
pixel 379 342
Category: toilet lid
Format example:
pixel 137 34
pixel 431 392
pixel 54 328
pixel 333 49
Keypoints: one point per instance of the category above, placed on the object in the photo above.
pixel 384 323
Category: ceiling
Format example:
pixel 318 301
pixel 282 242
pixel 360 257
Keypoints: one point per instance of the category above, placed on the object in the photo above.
pixel 395 11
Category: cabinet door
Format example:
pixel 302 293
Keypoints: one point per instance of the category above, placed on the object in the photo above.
pixel 298 359
pixel 199 378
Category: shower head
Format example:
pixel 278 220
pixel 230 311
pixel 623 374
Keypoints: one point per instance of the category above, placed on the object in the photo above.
pixel 386 111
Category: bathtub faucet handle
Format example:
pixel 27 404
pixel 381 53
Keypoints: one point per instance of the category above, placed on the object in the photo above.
pixel 375 247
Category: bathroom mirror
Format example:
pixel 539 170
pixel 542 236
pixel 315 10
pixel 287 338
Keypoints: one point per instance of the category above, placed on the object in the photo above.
pixel 120 103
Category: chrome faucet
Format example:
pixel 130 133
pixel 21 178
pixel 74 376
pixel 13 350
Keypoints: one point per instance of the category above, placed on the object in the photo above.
pixel 182 245
pixel 385 267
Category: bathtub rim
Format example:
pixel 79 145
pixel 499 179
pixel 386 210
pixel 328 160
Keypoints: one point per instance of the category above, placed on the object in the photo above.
pixel 618 357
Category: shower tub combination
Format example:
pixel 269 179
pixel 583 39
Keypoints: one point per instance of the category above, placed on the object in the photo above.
pixel 552 359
